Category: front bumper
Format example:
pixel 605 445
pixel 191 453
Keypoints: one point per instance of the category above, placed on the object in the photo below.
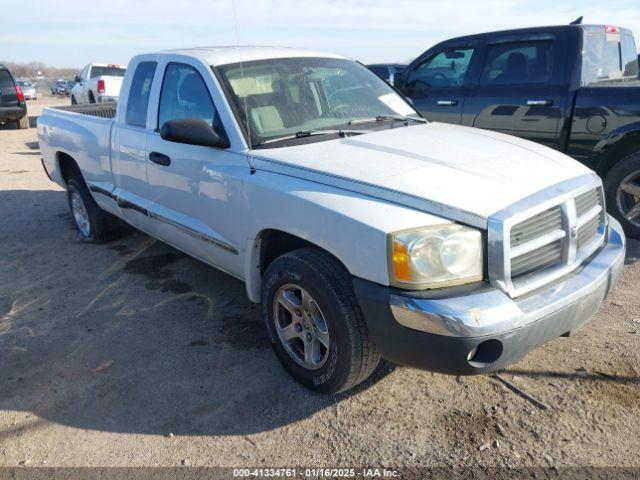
pixel 479 329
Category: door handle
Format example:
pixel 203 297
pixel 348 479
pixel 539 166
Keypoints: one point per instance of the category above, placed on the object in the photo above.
pixel 539 103
pixel 160 159
pixel 447 103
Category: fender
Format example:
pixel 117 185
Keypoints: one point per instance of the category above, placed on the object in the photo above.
pixel 352 227
pixel 617 145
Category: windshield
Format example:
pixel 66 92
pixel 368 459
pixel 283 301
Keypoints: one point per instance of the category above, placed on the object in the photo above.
pixel 107 71
pixel 608 58
pixel 281 97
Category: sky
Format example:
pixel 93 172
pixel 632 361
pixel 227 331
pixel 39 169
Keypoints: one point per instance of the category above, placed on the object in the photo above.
pixel 71 33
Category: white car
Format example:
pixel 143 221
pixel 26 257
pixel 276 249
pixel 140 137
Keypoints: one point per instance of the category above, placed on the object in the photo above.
pixel 98 83
pixel 363 230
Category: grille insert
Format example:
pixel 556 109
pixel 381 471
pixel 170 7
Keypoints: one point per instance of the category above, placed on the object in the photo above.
pixel 554 240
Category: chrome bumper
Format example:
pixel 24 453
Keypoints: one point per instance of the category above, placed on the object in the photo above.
pixel 572 300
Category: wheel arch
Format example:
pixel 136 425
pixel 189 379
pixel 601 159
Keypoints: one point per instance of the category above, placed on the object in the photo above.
pixel 265 247
pixel 616 146
pixel 67 166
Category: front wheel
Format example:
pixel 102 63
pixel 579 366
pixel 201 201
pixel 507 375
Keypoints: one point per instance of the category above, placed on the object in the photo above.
pixel 94 224
pixel 622 185
pixel 314 322
pixel 73 100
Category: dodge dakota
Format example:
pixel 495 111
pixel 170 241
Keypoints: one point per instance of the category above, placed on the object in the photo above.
pixel 363 230
pixel 573 88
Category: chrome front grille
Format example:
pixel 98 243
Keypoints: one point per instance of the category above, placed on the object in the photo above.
pixel 539 240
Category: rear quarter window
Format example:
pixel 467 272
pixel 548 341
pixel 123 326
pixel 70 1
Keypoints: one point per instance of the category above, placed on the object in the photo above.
pixel 138 101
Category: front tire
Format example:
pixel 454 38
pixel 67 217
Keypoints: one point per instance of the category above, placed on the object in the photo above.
pixel 622 185
pixel 94 225
pixel 314 322
pixel 73 100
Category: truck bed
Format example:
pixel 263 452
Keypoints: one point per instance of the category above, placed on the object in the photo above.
pixel 102 110
pixel 82 132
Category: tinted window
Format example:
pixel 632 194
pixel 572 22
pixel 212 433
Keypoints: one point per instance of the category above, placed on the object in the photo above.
pixel 5 80
pixel 446 69
pixel 185 95
pixel 518 63
pixel 139 94
pixel 107 71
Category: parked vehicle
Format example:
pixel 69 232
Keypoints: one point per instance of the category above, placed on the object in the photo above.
pixel 573 88
pixel 386 71
pixel 362 230
pixel 69 86
pixel 97 83
pixel 13 108
pixel 28 89
pixel 58 87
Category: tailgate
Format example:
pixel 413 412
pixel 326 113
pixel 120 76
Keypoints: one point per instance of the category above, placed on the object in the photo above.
pixel 112 86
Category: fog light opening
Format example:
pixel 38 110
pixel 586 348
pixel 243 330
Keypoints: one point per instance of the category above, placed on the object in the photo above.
pixel 485 353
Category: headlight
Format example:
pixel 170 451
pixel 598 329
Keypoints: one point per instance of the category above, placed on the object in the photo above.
pixel 435 257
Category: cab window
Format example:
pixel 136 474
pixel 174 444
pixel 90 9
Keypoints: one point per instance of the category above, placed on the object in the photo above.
pixel 185 95
pixel 446 69
pixel 518 63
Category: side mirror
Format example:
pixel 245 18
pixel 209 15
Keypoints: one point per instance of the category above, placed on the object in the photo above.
pixel 192 131
pixel 77 78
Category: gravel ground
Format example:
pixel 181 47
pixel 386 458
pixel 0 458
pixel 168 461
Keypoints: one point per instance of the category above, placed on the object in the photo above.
pixel 133 354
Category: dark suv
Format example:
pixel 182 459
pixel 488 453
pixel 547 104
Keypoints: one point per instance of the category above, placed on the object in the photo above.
pixel 13 108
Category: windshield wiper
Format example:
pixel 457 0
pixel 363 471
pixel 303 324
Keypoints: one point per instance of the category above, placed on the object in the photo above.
pixel 312 132
pixel 383 118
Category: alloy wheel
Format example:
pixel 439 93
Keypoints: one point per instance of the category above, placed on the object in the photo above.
pixel 80 214
pixel 301 326
pixel 628 198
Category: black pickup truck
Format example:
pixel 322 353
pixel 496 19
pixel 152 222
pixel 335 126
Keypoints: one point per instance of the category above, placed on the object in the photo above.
pixel 574 88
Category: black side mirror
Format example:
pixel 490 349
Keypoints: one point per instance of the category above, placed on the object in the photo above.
pixel 77 78
pixel 193 131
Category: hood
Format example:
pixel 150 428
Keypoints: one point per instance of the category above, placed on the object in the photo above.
pixel 461 173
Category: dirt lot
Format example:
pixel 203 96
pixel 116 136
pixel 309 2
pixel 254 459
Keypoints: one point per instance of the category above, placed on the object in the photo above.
pixel 132 354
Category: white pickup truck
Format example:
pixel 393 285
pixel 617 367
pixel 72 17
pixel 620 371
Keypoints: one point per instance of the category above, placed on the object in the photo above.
pixel 97 83
pixel 363 230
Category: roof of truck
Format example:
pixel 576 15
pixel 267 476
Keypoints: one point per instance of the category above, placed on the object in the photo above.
pixel 233 54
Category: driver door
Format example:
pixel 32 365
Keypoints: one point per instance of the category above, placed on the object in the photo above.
pixel 435 84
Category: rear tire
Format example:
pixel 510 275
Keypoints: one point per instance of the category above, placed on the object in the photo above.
pixel 91 98
pixel 94 225
pixel 73 100
pixel 622 190
pixel 329 323
pixel 23 123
